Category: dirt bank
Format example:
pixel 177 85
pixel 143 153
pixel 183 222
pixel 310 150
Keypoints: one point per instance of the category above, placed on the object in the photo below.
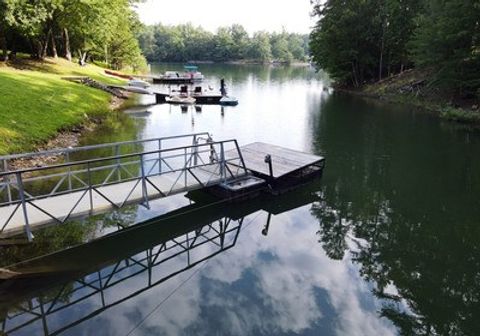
pixel 412 88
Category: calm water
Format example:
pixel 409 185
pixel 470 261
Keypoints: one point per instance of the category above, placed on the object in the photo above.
pixel 386 243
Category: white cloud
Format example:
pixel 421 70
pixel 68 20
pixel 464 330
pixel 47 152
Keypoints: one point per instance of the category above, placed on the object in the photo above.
pixel 286 271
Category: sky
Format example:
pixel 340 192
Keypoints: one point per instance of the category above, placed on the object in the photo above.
pixel 254 15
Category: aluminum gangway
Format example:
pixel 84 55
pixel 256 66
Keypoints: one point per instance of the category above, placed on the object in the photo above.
pixel 95 179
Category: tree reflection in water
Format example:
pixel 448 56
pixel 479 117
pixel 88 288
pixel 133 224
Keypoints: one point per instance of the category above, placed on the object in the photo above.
pixel 405 214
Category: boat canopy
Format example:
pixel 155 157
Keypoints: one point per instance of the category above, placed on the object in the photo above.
pixel 190 67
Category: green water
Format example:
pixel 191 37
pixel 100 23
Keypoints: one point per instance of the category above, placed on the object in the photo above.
pixel 386 243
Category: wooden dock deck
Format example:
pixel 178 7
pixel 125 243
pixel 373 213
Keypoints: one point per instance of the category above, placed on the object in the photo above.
pixel 284 161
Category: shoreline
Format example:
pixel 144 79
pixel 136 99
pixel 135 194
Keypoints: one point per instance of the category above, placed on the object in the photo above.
pixel 241 62
pixel 408 89
pixel 65 138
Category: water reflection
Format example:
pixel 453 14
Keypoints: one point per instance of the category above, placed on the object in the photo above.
pixel 387 244
pixel 56 309
pixel 399 201
pixel 145 256
pixel 241 74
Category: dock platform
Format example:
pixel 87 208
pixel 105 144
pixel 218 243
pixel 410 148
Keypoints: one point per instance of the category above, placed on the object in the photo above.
pixel 76 189
pixel 284 161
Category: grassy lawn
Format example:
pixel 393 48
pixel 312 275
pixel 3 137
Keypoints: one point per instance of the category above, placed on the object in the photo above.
pixel 35 102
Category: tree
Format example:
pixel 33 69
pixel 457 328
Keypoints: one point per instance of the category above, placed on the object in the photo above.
pixel 183 43
pixel 26 18
pixel 260 47
pixel 280 47
pixel 342 41
pixel 240 40
pixel 4 19
pixel 361 40
pixel 224 45
pixel 447 40
pixel 297 46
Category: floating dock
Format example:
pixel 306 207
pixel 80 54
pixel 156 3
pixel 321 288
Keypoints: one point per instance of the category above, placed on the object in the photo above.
pixel 274 162
pixel 39 196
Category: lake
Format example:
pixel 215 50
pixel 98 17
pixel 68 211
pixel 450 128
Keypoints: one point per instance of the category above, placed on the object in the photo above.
pixel 385 243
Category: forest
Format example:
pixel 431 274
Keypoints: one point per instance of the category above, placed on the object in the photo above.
pixel 363 41
pixel 186 42
pixel 104 31
pixel 110 32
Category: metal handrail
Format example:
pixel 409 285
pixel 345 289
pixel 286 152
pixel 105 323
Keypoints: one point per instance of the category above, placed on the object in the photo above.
pixel 94 169
pixel 99 146
pixel 21 197
pixel 108 158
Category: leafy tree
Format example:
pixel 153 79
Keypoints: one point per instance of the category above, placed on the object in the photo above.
pixel 297 46
pixel 5 13
pixel 183 43
pixel 260 47
pixel 224 45
pixel 280 48
pixel 448 41
pixel 361 40
pixel 27 18
pixel 342 41
pixel 240 40
pixel 93 28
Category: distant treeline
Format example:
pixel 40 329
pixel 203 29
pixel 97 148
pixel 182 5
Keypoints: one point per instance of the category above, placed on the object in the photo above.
pixel 95 29
pixel 360 41
pixel 186 42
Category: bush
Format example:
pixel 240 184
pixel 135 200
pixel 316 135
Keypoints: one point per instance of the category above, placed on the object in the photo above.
pixel 460 115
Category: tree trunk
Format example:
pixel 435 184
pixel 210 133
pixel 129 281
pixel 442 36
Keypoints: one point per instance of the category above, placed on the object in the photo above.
pixel 380 66
pixel 13 49
pixel 45 45
pixel 83 57
pixel 66 38
pixel 38 54
pixel 354 75
pixel 106 54
pixel 54 46
pixel 3 45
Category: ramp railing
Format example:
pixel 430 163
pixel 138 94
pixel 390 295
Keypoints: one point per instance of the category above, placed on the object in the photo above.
pixel 56 311
pixel 57 193
pixel 66 155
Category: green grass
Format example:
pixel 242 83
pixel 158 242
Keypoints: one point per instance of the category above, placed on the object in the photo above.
pixel 460 115
pixel 36 103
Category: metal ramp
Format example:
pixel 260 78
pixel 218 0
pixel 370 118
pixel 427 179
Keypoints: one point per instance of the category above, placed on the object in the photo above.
pixel 99 178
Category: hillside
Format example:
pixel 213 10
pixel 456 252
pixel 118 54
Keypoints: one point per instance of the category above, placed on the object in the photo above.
pixel 412 87
pixel 36 102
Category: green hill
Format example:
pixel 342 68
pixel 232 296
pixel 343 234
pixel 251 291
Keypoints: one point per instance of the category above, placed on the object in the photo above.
pixel 36 103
